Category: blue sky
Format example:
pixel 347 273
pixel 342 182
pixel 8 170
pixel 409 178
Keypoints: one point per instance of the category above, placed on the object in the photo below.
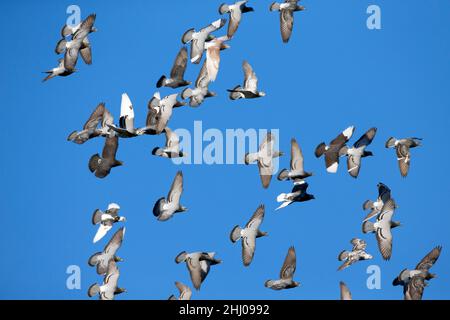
pixel 333 73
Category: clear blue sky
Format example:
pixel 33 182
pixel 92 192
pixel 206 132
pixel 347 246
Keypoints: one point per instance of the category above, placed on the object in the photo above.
pixel 333 73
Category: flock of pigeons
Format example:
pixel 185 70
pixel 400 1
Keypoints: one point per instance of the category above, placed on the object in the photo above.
pixel 160 110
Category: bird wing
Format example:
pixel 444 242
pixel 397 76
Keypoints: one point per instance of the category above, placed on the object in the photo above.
pixel 248 248
pixel 296 157
pixel 353 165
pixel 172 139
pixel 126 113
pixel 114 243
pixel 176 189
pixel 256 219
pixel 203 77
pixel 102 231
pixel 179 66
pixel 404 158
pixel 366 138
pixel 71 57
pixel 289 265
pixel 108 119
pixel 250 79
pixel 414 289
pixel 195 272
pixel 85 28
pixel 86 51
pixel 430 259
pixel 345 292
pixel 331 161
pixel 110 281
pixel 265 172
pixel 384 239
pixel 153 110
pixel 110 147
pixel 235 19
pixel 95 117
pixel 213 61
pixel 286 24
pixel 384 193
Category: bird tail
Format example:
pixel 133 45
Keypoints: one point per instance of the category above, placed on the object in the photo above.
pixel 282 197
pixel 235 234
pixel 343 255
pixel 224 8
pixel 71 136
pixel 187 36
pixel 368 227
pixel 181 257
pixel 161 82
pixel 390 142
pixel 246 9
pixel 186 93
pixel 284 204
pixel 283 175
pixel 60 46
pixel 93 290
pixel 274 7
pixel 268 283
pixel 93 162
pixel 367 205
pixel 93 260
pixel 157 152
pixel 320 150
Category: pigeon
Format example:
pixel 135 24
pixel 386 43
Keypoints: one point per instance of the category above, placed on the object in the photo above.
pixel 198 94
pixel 109 288
pixel 298 194
pixel 176 79
pixel 382 228
pixel 185 292
pixel 213 48
pixel 161 112
pixel 85 48
pixel 101 166
pixel 172 147
pixel 165 208
pixel 297 169
pixel 235 10
pixel 358 253
pixel 358 151
pixel 413 281
pixel 345 292
pixel 286 280
pixel 248 235
pixel 264 157
pixel 384 194
pixel 287 9
pixel 90 130
pixel 402 149
pixel 336 149
pixel 60 70
pixel 198 39
pixel 126 127
pixel 198 264
pixel 100 260
pixel 105 220
pixel 250 88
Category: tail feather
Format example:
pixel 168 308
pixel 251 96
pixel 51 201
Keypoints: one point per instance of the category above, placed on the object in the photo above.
pixel 235 234
pixel 187 36
pixel 283 175
pixel 181 257
pixel 368 227
pixel 390 142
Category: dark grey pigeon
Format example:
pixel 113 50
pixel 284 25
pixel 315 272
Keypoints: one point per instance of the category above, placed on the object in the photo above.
pixel 297 170
pixel 359 151
pixel 109 289
pixel 287 272
pixel 165 208
pixel 287 9
pixel 235 10
pixel 100 260
pixel 402 149
pixel 176 79
pixel 198 264
pixel 101 165
pixel 384 194
pixel 250 88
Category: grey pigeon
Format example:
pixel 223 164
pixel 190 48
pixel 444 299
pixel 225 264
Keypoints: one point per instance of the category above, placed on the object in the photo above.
pixel 384 194
pixel 162 111
pixel 100 260
pixel 201 91
pixel 249 234
pixel 198 264
pixel 297 170
pixel 402 149
pixel 185 292
pixel 345 292
pixel 286 280
pixel 101 165
pixel 358 253
pixel 250 88
pixel 60 70
pixel 336 149
pixel 165 208
pixel 172 147
pixel 287 9
pixel 358 151
pixel 105 220
pixel 176 79
pixel 235 10
pixel 109 289
pixel 298 194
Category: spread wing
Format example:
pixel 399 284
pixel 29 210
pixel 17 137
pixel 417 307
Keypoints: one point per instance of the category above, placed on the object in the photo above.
pixel 289 265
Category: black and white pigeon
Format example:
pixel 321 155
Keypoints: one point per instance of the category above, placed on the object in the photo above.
pixel 249 234
pixel 201 91
pixel 235 10
pixel 286 280
pixel 402 149
pixel 172 147
pixel 105 220
pixel 60 71
pixel 359 151
pixel 250 88
pixel 165 208
pixel 264 157
pixel 90 130
pixel 101 165
pixel 382 228
pixel 185 292
pixel 198 39
pixel 414 281
pixel 198 264
pixel 176 79
pixel 384 194
pixel 126 127
pixel 345 292
pixel 100 260
pixel 297 170
pixel 287 9
pixel 358 253
pixel 336 149
pixel 298 194
pixel 109 289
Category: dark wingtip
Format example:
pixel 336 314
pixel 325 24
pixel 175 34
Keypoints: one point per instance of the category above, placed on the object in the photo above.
pixel 160 82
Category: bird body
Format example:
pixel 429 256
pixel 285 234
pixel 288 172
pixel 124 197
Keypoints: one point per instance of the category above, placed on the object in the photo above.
pixel 358 253
pixel 235 10
pixel 298 194
pixel 250 88
pixel 165 208
pixel 402 149
pixel 198 264
pixel 297 170
pixel 286 9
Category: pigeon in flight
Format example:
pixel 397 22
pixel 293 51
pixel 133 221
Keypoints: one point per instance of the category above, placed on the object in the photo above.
pixel 248 235
pixel 250 88
pixel 414 281
pixel 264 157
pixel 101 166
pixel 335 150
pixel 160 112
pixel 298 194
pixel 165 208
pixel 198 264
pixel 382 228
pixel 345 292
pixel 358 253
pixel 185 292
pixel 201 91
pixel 235 10
pixel 85 49
pixel 109 288
pixel 90 128
pixel 297 170
pixel 286 280
pixel 358 151
pixel 287 9
pixel 384 194
pixel 172 147
pixel 198 39
pixel 176 79
pixel 60 70
pixel 100 260
pixel 105 220
pixel 402 149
